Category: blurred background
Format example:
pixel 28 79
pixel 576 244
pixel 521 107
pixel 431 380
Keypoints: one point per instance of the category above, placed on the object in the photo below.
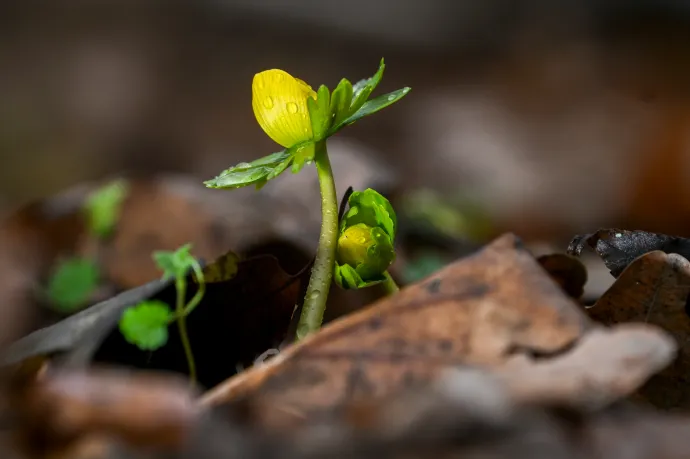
pixel 554 117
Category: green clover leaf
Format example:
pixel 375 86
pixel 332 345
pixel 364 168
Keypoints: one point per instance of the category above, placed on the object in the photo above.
pixel 102 207
pixel 72 284
pixel 146 324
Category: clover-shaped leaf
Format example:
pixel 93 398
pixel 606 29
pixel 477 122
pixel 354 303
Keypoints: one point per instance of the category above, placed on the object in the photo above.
pixel 146 324
pixel 255 173
pixel 72 284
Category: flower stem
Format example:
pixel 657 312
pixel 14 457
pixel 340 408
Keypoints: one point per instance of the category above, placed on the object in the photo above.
pixel 181 287
pixel 322 272
pixel 390 285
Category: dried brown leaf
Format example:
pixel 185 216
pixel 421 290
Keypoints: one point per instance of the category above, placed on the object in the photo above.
pixel 654 289
pixel 479 310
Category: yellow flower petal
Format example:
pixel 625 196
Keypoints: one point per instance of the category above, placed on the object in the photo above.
pixel 280 106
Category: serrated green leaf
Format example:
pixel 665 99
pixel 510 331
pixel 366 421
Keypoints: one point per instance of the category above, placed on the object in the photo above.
pixel 146 324
pixel 72 284
pixel 363 88
pixel 371 107
pixel 102 207
pixel 174 264
pixel 256 173
pixel 340 101
pixel 319 113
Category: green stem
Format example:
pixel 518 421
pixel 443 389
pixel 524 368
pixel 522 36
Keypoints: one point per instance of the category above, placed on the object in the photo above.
pixel 200 291
pixel 390 285
pixel 181 287
pixel 322 272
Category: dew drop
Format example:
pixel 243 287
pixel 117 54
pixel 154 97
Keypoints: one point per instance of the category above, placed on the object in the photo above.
pixel 362 240
pixel 391 97
pixel 268 102
pixel 313 296
pixel 260 83
pixel 242 165
pixel 292 107
pixel 306 130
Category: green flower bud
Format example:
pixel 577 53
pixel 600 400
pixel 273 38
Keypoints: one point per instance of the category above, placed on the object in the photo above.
pixel 365 245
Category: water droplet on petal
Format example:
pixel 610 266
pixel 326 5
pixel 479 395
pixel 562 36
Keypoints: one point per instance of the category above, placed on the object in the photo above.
pixel 306 130
pixel 292 107
pixel 362 240
pixel 268 102
pixel 260 83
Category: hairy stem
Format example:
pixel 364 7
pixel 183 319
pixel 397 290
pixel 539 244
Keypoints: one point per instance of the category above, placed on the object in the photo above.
pixel 322 272
pixel 390 285
pixel 181 287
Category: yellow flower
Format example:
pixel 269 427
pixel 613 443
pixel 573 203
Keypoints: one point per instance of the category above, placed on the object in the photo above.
pixel 280 106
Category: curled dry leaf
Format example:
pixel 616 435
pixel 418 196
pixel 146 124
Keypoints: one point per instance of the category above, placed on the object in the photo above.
pixel 654 289
pixel 618 248
pixel 567 271
pixel 479 310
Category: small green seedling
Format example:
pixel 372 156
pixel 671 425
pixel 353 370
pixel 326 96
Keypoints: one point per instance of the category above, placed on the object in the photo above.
pixel 75 279
pixel 102 208
pixel 301 120
pixel 146 324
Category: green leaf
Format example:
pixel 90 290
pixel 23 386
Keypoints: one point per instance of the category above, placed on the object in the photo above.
pixel 103 206
pixel 340 101
pixel 175 264
pixel 256 173
pixel 146 324
pixel 363 88
pixel 72 284
pixel 319 113
pixel 370 107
